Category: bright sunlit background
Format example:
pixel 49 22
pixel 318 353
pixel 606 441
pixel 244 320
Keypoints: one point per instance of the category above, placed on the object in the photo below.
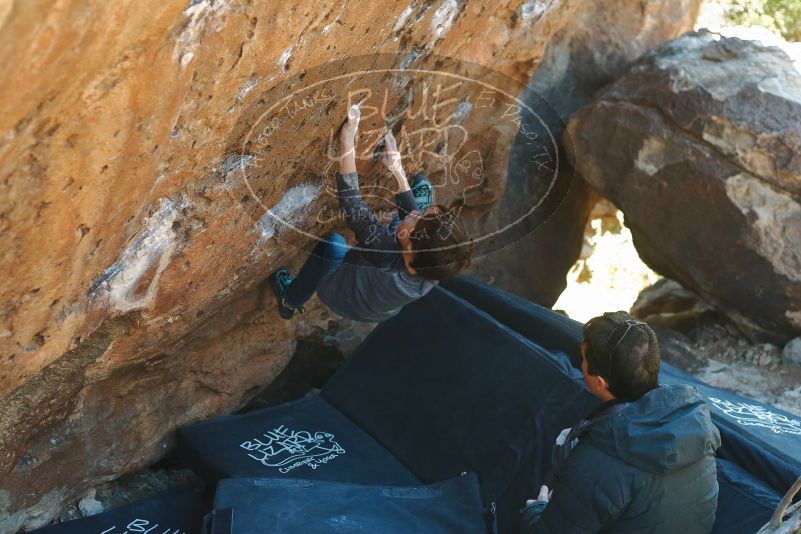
pixel 609 274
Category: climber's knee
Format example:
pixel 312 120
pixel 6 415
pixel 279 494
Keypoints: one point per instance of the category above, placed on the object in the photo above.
pixel 331 248
pixel 336 239
pixel 337 246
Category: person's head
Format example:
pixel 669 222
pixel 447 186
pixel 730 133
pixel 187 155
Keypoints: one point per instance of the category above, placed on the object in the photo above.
pixel 435 244
pixel 619 357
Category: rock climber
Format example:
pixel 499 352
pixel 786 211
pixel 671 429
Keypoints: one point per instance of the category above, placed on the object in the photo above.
pixel 390 266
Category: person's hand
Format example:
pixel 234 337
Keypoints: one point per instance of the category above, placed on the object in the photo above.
pixel 391 158
pixel 347 134
pixel 544 496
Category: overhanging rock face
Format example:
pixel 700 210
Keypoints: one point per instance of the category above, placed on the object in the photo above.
pixel 146 193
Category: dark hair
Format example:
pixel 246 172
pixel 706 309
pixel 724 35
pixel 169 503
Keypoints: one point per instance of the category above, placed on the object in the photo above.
pixel 625 352
pixel 442 247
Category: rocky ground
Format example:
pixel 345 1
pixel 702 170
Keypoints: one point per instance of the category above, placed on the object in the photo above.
pixel 760 371
pixel 707 345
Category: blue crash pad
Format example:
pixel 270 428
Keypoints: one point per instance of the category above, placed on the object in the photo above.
pixel 302 506
pixel 445 388
pixel 468 378
pixel 307 438
pixel 176 511
pixel 760 438
pixel 438 390
pixel 745 503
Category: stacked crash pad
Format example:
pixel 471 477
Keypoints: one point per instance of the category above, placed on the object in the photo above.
pixel 441 389
pixel 295 506
pixel 446 413
pixel 176 511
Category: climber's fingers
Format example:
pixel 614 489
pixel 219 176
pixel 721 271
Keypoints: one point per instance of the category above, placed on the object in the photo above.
pixel 352 120
pixel 390 144
pixel 545 494
pixel 347 131
pixel 354 114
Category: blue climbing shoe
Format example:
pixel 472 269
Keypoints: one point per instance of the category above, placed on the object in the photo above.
pixel 423 191
pixel 281 280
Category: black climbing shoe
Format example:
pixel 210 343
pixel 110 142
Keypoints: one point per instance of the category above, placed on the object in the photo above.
pixel 281 280
pixel 423 191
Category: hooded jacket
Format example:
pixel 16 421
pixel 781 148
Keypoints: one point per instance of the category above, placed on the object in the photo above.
pixel 646 468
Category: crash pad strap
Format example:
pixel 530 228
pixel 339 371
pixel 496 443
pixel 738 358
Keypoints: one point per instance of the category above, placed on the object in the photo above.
pixel 298 506
pixel 222 521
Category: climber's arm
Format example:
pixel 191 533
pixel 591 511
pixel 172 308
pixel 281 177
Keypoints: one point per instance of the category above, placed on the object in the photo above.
pixel 359 217
pixel 372 236
pixel 392 160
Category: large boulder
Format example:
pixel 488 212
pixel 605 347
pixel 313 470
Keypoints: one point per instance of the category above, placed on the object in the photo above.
pixel 698 144
pixel 147 192
pixel 593 49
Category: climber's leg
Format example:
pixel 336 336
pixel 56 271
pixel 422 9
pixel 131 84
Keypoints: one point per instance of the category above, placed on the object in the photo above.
pixel 294 293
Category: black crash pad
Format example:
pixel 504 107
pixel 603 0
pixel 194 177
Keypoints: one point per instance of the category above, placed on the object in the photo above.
pixel 176 511
pixel 307 438
pixel 441 389
pixel 245 505
pixel 446 388
pixel 450 386
pixel 744 502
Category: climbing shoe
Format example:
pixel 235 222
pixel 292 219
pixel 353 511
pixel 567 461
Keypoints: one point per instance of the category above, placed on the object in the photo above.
pixel 423 191
pixel 281 280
